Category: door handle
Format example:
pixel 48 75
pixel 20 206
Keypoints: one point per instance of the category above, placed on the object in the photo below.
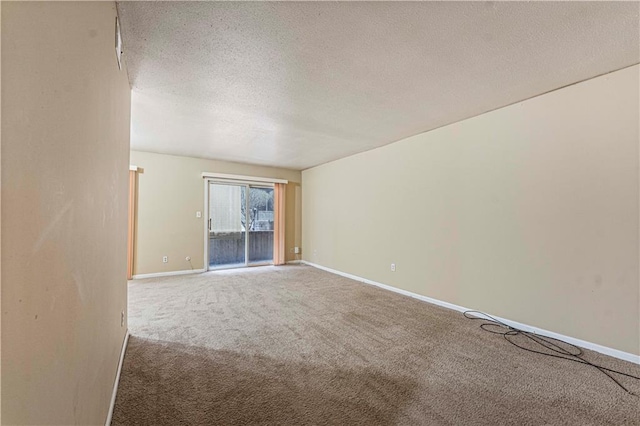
pixel 209 224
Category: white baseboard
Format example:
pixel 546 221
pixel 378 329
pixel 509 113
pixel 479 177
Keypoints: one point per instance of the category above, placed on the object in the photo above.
pixel 626 356
pixel 294 262
pixel 168 274
pixel 117 380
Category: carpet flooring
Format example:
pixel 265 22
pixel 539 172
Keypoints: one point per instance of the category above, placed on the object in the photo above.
pixel 296 345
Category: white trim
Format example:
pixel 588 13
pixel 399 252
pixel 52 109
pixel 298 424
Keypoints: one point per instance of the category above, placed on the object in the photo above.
pixel 168 274
pixel 133 168
pixel 243 178
pixel 626 356
pixel 295 262
pixel 117 380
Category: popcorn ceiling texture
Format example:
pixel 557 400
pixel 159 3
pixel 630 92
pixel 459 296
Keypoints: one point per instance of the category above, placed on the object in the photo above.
pixel 295 85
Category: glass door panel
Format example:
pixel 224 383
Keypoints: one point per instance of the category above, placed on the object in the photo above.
pixel 260 225
pixel 227 231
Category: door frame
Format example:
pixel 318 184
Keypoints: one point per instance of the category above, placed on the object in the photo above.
pixel 232 180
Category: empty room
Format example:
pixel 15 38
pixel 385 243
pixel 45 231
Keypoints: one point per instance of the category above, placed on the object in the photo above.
pixel 320 213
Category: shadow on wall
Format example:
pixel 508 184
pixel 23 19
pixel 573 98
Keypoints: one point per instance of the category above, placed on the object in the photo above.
pixel 170 383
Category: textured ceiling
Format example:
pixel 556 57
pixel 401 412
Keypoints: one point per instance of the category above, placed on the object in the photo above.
pixel 299 84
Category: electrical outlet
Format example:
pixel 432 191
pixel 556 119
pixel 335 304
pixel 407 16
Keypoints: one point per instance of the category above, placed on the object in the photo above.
pixel 296 250
pixel 198 214
pixel 393 267
pixel 122 319
pixel 165 259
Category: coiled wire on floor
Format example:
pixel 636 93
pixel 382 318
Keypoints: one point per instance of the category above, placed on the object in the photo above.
pixel 553 346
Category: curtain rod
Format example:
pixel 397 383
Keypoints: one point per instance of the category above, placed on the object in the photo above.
pixel 240 177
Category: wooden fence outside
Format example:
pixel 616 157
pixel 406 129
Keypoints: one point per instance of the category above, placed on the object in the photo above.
pixel 228 248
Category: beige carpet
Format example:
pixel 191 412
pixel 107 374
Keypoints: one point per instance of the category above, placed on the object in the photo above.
pixel 296 345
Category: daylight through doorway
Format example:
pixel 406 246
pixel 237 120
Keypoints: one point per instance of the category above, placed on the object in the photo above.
pixel 240 225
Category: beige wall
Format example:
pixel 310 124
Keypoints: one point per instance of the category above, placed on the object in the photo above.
pixel 529 212
pixel 171 190
pixel 65 153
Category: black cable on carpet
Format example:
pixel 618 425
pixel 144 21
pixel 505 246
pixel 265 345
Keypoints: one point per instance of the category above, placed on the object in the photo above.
pixel 570 353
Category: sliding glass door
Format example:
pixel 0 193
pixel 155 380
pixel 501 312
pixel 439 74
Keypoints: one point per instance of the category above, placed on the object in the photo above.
pixel 260 244
pixel 227 236
pixel 240 225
